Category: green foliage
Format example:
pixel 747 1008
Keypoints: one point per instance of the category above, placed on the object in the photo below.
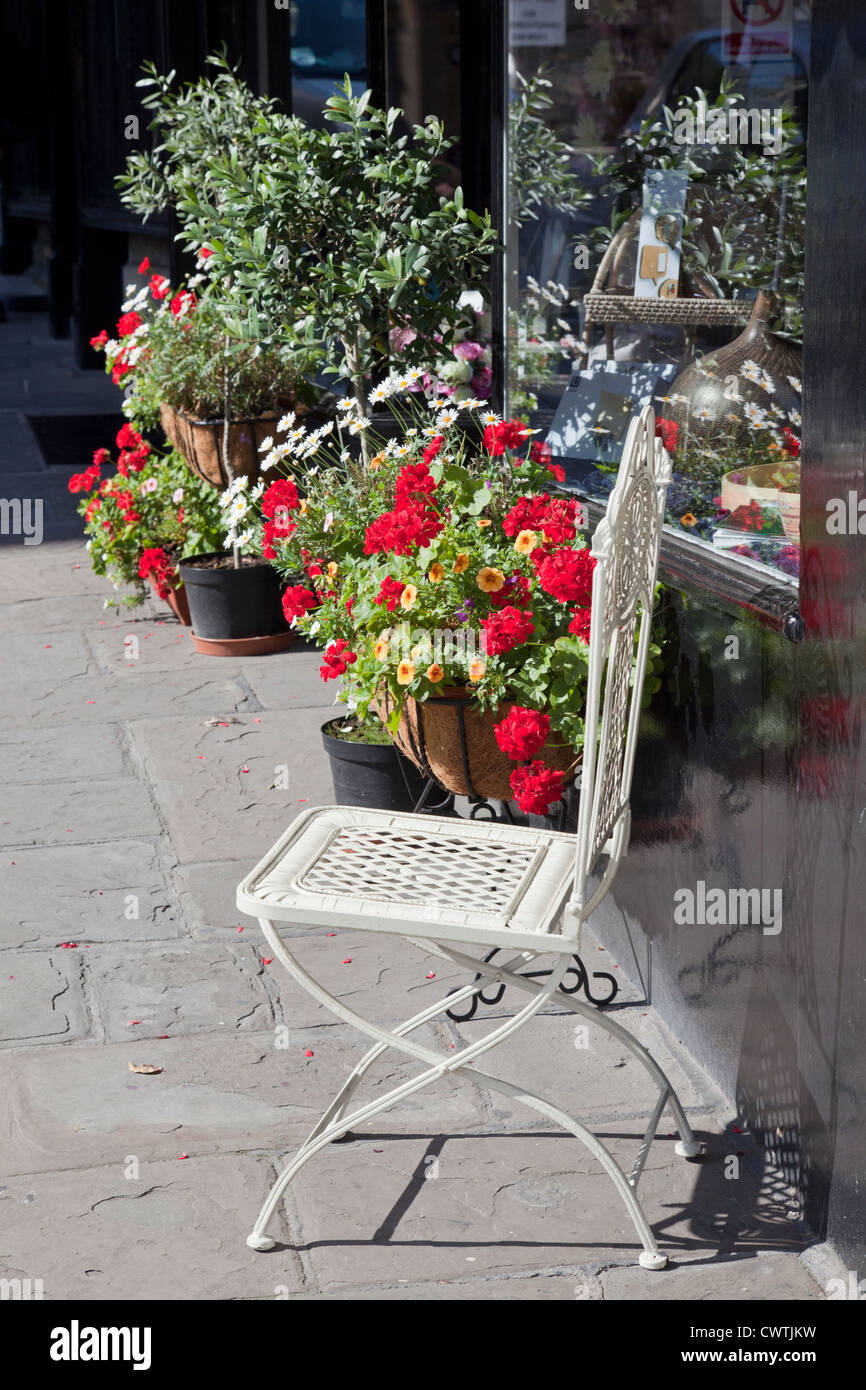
pixel 539 162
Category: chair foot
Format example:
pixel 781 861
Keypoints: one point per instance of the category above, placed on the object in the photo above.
pixel 690 1149
pixel 259 1241
pixel 648 1260
pixel 344 1138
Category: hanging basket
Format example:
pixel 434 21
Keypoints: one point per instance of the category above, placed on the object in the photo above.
pixel 450 739
pixel 201 443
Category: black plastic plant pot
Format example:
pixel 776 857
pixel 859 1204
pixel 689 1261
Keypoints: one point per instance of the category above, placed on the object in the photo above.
pixel 373 775
pixel 228 604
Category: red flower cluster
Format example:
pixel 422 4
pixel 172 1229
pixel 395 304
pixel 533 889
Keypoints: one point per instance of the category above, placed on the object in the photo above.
pixel 536 786
pixel 668 431
pixel 516 590
pixel 433 448
pixel 126 503
pixel 523 733
pixel 540 453
pixel 86 481
pixel 508 434
pixel 272 533
pixel 338 659
pixel 184 302
pixel 100 340
pixel 156 562
pixel 389 593
pixel 565 574
pixel 133 451
pixel 402 530
pixel 556 517
pixel 297 601
pixel 127 323
pixel 581 624
pixel 159 286
pixel 144 267
pixel 792 443
pixel 281 495
pixel 413 481
pixel 507 629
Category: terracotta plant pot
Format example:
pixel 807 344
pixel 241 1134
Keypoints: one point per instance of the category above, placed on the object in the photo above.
pixel 451 738
pixel 177 601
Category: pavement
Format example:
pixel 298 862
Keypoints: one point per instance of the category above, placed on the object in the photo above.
pixel 142 781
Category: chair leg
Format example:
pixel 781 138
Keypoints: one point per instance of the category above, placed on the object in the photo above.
pixel 334 1123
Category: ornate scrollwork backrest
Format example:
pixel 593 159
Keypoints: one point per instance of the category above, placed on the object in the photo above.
pixel 626 549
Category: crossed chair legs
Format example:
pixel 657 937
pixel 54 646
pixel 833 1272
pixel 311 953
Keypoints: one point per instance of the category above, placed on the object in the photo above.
pixel 335 1122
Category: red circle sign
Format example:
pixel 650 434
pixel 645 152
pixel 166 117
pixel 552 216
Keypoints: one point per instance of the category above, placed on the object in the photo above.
pixel 756 13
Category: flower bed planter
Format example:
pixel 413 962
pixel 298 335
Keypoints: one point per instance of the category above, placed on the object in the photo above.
pixel 449 738
pixel 371 774
pixel 234 611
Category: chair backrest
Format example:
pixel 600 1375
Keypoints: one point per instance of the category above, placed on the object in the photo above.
pixel 626 549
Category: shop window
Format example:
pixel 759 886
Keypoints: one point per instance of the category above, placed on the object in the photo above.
pixel 656 172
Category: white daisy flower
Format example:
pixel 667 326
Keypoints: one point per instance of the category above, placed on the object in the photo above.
pixel 430 432
pixel 286 422
pixel 266 445
pixel 414 374
pixel 447 418
pixel 401 451
pixel 797 384
pixel 345 456
pixel 238 509
pixel 410 434
pixel 347 403
pixel 245 538
pixel 379 393
pixel 440 403
pixel 768 383
pixel 257 491
pixel 703 414
pixel 752 372
pixel 471 404
pixel 795 417
pixel 756 416
pixel 358 424
pixel 490 418
pixel 269 461
pixel 297 434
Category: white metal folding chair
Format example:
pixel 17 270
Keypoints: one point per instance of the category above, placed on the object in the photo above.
pixel 443 883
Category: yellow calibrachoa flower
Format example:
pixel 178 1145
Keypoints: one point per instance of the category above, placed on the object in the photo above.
pixel 461 564
pixel 476 669
pixel 333 569
pixel 482 522
pixel 526 542
pixel 437 573
pixel 435 673
pixel 408 596
pixel 405 673
pixel 376 462
pixel 380 651
pixel 490 581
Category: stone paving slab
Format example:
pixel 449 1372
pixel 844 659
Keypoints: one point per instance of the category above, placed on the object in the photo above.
pixel 291 680
pixel 407 1208
pixel 220 1093
pixel 156 647
pixel 174 1231
pixel 126 695
pixel 189 988
pixel 41 998
pixel 750 1278
pixel 60 754
pixel 93 810
pixel 209 803
pixel 207 893
pixel 69 893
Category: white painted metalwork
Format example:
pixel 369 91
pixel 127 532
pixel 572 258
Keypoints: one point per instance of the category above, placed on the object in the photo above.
pixel 441 882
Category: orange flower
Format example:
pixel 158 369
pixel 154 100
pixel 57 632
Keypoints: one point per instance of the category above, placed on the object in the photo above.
pixel 405 673
pixel 477 669
pixel 461 564
pixel 482 522
pixel 490 581
pixel 333 569
pixel 435 673
pixel 376 462
pixel 526 542
pixel 437 573
pixel 303 507
pixel 688 520
pixel 380 651
pixel 408 596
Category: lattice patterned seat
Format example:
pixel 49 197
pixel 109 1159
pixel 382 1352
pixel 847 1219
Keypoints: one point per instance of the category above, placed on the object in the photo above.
pixel 439 882
pixel 447 879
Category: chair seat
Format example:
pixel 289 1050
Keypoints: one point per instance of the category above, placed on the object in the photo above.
pixel 416 875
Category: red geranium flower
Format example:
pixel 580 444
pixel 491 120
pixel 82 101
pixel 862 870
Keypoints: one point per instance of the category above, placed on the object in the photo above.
pixel 100 340
pixel 668 432
pixel 144 267
pixel 507 629
pixel 275 531
pixel 433 448
pixel 86 481
pixel 565 574
pixel 281 495
pixel 184 302
pixel 516 590
pixel 156 562
pixel 100 457
pixel 403 530
pixel 297 601
pixel 413 481
pixel 580 623
pixel 508 434
pixel 389 593
pixel 159 286
pixel 522 733
pixel 128 323
pixel 338 659
pixel 536 786
pixel 792 443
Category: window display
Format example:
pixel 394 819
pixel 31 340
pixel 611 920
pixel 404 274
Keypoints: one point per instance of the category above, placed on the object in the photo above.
pixel 655 249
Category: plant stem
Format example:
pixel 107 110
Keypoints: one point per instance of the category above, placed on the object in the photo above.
pixel 227 415
pixel 352 351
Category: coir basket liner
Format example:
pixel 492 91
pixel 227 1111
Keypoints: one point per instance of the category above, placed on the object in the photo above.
pixel 449 738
